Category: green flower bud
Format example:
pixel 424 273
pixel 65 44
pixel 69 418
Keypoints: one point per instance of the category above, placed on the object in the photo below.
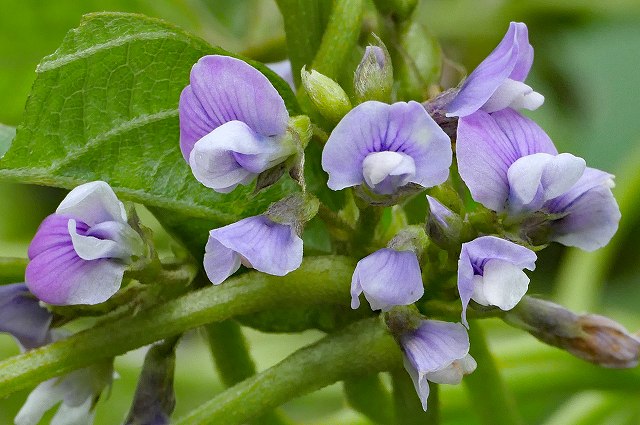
pixel 327 95
pixel 373 79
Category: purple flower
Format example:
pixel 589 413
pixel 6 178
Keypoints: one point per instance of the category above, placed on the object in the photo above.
pixel 438 352
pixel 77 392
pixel 233 123
pixel 80 253
pixel 386 147
pixel 511 166
pixel 257 242
pixel 388 278
pixel 490 273
pixel 497 83
pixel 22 316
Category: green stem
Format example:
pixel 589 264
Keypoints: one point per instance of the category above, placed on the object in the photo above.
pixel 335 357
pixel 303 27
pixel 339 38
pixel 233 361
pixel 408 407
pixel 365 229
pixel 12 269
pixel 230 352
pixel 368 396
pixel 488 393
pixel 320 280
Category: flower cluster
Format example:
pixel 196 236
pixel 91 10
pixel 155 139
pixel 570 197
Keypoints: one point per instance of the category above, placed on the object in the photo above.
pixel 235 129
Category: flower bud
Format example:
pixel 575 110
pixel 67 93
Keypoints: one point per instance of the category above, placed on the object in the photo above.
pixel 373 79
pixel 596 339
pixel 443 225
pixel 327 95
pixel 155 399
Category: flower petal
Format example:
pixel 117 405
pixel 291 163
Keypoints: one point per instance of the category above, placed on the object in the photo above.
pixel 453 374
pixel 110 239
pixel 503 284
pixel 385 172
pixel 487 145
pixel 58 276
pixel 234 154
pixel 433 346
pixel 93 203
pixel 512 58
pixel 42 398
pixel 420 382
pixel 515 95
pixel 377 127
pixel 388 278
pixel 226 89
pixel 592 213
pixel 269 247
pixel 475 254
pixel 534 179
pixel 22 316
pixel 220 262
pixel 524 134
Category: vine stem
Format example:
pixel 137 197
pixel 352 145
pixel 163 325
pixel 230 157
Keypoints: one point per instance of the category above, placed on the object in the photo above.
pixel 488 393
pixel 234 363
pixel 12 269
pixel 320 280
pixel 362 348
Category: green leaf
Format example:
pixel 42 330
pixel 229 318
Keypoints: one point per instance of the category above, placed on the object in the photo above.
pixel 6 137
pixel 104 107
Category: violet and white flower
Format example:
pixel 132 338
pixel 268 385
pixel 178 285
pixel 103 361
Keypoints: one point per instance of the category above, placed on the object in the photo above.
pixel 233 123
pixel 22 317
pixel 80 253
pixel 256 242
pixel 387 278
pixel 386 147
pixel 436 351
pixel 77 393
pixel 498 82
pixel 511 166
pixel 490 272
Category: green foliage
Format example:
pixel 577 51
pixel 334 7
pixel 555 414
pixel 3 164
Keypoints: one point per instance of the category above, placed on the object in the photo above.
pixel 6 137
pixel 104 107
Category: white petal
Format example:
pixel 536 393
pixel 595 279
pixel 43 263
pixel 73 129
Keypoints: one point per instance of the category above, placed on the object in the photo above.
pixel 42 398
pixel 93 203
pixel 379 165
pixel 74 415
pixel 524 177
pixel 504 284
pixel 513 94
pixel 92 248
pixel 561 173
pixel 478 291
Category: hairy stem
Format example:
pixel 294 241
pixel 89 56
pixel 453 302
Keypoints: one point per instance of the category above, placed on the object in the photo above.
pixel 335 357
pixel 368 396
pixel 320 280
pixel 233 361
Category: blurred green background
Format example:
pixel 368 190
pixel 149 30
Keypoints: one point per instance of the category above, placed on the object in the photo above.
pixel 587 65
